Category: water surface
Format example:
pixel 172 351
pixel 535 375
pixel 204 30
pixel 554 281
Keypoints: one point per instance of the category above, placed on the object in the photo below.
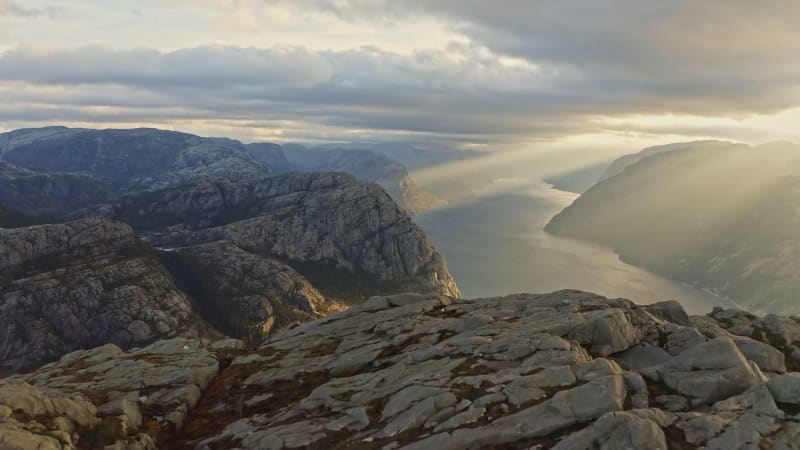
pixel 495 244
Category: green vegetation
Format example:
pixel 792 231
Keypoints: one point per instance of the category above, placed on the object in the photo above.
pixel 341 284
pixel 216 305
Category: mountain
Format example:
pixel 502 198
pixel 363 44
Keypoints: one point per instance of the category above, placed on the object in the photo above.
pixel 247 251
pixel 136 159
pixel 10 218
pixel 74 168
pixel 567 370
pixel 410 155
pixel 83 284
pixel 271 155
pixel 579 180
pixel 350 239
pixel 366 165
pixel 49 193
pixel 245 294
pixel 722 217
pixel 619 164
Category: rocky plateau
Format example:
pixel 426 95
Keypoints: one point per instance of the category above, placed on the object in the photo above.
pixel 567 370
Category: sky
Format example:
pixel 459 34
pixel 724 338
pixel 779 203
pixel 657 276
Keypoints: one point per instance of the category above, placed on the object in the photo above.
pixel 588 74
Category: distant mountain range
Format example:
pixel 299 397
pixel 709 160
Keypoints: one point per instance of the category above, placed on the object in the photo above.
pixel 128 236
pixel 719 216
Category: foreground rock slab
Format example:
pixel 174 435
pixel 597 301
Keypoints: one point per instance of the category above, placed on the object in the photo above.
pixel 567 370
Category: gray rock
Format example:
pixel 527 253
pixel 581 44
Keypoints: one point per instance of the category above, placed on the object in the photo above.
pixel 243 294
pixel 591 399
pixel 786 388
pixel 709 372
pixel 124 404
pixel 322 221
pixel 83 284
pixel 767 357
pixel 617 430
pixel 365 165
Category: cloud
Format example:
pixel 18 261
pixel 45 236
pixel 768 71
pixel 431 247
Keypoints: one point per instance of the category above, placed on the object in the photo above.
pixel 455 92
pixel 709 57
pixel 517 69
pixel 10 8
pixel 202 67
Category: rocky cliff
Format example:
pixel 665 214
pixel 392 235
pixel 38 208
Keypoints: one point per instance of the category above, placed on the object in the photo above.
pixel 244 294
pixel 80 285
pixel 271 155
pixel 348 238
pixel 365 165
pixel 136 159
pixel 567 370
pixel 720 217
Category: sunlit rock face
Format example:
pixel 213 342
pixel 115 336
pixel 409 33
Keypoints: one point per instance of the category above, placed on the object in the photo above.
pixel 567 370
pixel 721 217
pixel 83 284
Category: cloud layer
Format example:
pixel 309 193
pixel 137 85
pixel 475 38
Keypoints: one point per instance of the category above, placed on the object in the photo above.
pixel 514 70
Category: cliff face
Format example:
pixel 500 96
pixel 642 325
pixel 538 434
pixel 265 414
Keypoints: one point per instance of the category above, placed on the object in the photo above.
pixel 319 223
pixel 567 370
pixel 722 217
pixel 244 294
pixel 365 165
pixel 83 284
pixel 270 155
pixel 258 253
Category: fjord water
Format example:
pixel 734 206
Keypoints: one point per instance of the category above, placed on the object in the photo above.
pixel 495 244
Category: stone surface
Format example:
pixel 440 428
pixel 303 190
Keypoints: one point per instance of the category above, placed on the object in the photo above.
pixel 339 233
pixel 708 372
pixel 104 396
pixel 243 294
pixel 365 165
pixel 418 371
pixel 83 284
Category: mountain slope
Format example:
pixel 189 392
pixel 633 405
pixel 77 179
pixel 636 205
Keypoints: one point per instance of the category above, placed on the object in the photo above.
pixel 80 285
pixel 343 235
pixel 722 217
pixel 138 158
pixel 366 165
pixel 618 165
pixel 49 193
pixel 242 294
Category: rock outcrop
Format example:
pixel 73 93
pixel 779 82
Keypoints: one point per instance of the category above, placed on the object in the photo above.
pixel 365 165
pixel 567 370
pixel 270 155
pixel 720 217
pixel 83 284
pixel 348 238
pixel 242 294
pixel 104 396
